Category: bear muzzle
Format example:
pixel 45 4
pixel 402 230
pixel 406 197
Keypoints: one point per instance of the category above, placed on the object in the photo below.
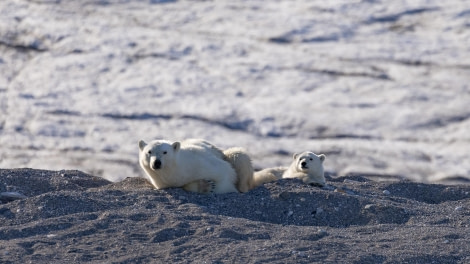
pixel 157 164
pixel 303 165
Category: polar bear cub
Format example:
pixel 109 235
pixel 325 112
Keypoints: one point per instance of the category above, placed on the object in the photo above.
pixel 306 166
pixel 196 165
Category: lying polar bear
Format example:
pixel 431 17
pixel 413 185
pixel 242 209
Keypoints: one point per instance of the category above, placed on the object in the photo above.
pixel 306 166
pixel 196 165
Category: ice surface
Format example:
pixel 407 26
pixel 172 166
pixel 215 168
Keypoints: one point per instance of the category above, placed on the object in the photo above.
pixel 380 87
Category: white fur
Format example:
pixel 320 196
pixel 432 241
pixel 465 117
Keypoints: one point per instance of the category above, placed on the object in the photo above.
pixel 189 161
pixel 241 162
pixel 306 166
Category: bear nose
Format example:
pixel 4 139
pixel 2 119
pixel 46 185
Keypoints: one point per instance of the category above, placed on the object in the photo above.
pixel 303 163
pixel 157 164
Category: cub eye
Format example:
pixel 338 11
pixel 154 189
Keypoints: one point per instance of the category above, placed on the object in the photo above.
pixel 164 152
pixel 150 152
pixel 311 159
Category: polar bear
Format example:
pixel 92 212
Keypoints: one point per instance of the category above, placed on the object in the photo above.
pixel 196 165
pixel 306 166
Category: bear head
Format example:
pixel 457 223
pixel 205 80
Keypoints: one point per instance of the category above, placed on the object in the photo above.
pixel 157 154
pixel 311 164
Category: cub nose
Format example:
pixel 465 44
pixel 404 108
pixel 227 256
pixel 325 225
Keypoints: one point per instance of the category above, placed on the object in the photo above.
pixel 157 164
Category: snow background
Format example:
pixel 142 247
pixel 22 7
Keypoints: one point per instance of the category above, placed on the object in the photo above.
pixel 380 87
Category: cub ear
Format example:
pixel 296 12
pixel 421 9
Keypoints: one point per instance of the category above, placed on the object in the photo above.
pixel 322 157
pixel 142 144
pixel 176 146
pixel 295 156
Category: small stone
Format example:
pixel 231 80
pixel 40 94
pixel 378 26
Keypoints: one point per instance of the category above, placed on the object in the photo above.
pixel 290 213
pixel 386 192
pixel 319 210
pixel 301 254
pixel 284 195
pixel 11 196
pixel 368 206
pixel 458 208
pixel 446 241
pixel 350 181
pixel 322 232
pixel 340 190
pixel 51 235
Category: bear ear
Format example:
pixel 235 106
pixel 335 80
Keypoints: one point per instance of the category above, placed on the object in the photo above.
pixel 322 157
pixel 295 156
pixel 142 144
pixel 176 146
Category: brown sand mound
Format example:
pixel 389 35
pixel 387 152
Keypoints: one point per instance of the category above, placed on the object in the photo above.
pixel 69 216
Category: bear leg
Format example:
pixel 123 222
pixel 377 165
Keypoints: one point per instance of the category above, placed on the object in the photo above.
pixel 267 175
pixel 241 162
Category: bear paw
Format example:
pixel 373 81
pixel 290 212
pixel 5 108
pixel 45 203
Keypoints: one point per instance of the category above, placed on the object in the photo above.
pixel 206 186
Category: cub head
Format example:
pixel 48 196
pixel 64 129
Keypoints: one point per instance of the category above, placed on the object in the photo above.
pixel 157 154
pixel 311 164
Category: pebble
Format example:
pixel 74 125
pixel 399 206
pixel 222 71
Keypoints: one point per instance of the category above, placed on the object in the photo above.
pixel 319 210
pixel 345 191
pixel 458 208
pixel 284 195
pixel 340 190
pixel 290 213
pixel 368 206
pixel 350 181
pixel 386 192
pixel 322 232
pixel 11 196
pixel 299 253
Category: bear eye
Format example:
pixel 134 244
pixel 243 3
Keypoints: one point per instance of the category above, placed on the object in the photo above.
pixel 150 152
pixel 311 159
pixel 164 152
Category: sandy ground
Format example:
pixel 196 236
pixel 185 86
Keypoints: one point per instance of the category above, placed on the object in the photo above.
pixel 72 217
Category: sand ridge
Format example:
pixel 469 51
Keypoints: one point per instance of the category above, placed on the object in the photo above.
pixel 75 217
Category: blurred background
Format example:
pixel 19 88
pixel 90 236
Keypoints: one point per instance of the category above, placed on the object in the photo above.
pixel 380 87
